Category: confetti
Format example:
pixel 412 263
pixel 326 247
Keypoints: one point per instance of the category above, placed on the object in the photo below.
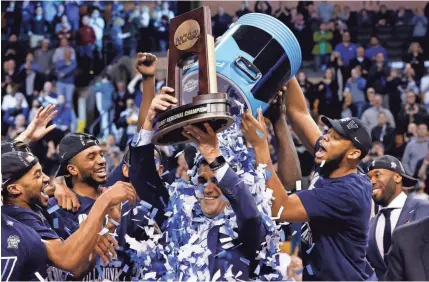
pixel 300 271
pixel 216 276
pixel 298 185
pixel 53 209
pixel 114 222
pixel 260 134
pixel 309 269
pixel 245 261
pixel 103 231
pixel 323 163
pixel 150 275
pixel 294 232
pixel 39 276
pixel 55 223
pixel 310 249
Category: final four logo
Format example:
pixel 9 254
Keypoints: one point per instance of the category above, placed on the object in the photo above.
pixel 13 242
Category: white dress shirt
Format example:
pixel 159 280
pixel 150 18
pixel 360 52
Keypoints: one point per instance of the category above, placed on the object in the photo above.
pixel 397 204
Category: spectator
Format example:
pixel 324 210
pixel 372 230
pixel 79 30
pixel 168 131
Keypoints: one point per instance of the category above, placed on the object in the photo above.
pixel 345 15
pixel 384 132
pixel 50 10
pixel 64 30
pixel 328 102
pixel 357 84
pixel 399 147
pixel 370 116
pixel 424 89
pixel 19 109
pixel 15 50
pixel 130 27
pixel 313 22
pixel 325 11
pixel 86 39
pixel 47 96
pixel 118 10
pixel 337 12
pixel 221 22
pixel 411 132
pixel 9 73
pixel 163 34
pixel 43 58
pixel 416 149
pixel 364 19
pixel 412 112
pixel 423 175
pixel 30 58
pixel 27 13
pixel 165 11
pixel 420 23
pixel 349 108
pixel 322 47
pixel 346 49
pixel 370 95
pixel 307 88
pixel 128 121
pixel 263 7
pixel 96 22
pixel 31 81
pixel 377 150
pixel 65 71
pixel 59 52
pixel 118 38
pixel 56 23
pixel 336 63
pixel 408 83
pixel 12 18
pixel 11 97
pixel 121 98
pixel 111 143
pixel 18 127
pixel 142 22
pixel 65 119
pixel 39 28
pixel 72 12
pixel 378 73
pixel 303 35
pixel 383 17
pixel 415 58
pixel 244 9
pixel 104 97
pixel 375 48
pixel 35 105
pixel 402 18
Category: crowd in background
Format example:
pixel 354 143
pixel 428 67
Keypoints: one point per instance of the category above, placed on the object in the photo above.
pixel 52 48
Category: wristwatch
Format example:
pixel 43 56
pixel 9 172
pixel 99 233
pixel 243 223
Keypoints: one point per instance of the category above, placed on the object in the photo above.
pixel 217 163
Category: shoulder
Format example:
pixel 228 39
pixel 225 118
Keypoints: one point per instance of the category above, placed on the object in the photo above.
pixel 419 204
pixel 415 229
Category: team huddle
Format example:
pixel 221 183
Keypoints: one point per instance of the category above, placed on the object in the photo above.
pixel 132 225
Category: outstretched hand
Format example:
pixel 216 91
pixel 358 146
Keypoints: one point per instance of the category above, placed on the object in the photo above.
pixel 277 109
pixel 146 64
pixel 37 129
pixel 207 142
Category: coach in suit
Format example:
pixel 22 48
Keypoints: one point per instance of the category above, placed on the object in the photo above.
pixel 408 258
pixel 388 178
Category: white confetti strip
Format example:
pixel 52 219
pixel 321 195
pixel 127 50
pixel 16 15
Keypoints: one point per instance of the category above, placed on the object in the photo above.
pixel 103 231
pixel 216 276
pixel 298 185
pixel 323 163
pixel 39 276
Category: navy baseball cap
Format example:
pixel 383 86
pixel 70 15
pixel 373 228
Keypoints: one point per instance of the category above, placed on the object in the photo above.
pixel 12 146
pixel 354 130
pixel 71 145
pixel 15 165
pixel 393 164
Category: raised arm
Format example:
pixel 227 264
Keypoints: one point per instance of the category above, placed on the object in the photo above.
pixel 288 166
pixel 146 65
pixel 256 133
pixel 299 116
pixel 74 253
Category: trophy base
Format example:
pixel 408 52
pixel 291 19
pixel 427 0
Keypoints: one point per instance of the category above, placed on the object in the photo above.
pixel 213 109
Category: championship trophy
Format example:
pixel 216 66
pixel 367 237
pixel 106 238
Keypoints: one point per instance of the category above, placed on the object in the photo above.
pixel 191 37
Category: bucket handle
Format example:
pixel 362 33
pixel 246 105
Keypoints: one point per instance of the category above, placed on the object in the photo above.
pixel 249 69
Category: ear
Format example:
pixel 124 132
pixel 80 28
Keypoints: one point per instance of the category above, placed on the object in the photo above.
pixel 161 169
pixel 125 170
pixel 15 189
pixel 72 169
pixel 397 178
pixel 354 154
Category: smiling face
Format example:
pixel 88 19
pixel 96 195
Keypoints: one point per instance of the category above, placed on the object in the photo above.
pixel 29 188
pixel 89 166
pixel 385 185
pixel 211 204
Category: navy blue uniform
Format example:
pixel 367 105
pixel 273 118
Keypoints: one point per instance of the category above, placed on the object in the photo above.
pixel 22 253
pixel 132 218
pixel 335 238
pixel 37 220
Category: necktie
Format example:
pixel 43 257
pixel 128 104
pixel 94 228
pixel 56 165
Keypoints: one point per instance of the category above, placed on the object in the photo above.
pixel 387 236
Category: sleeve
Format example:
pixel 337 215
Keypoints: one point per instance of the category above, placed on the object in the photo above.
pixel 142 138
pixel 147 182
pixel 333 203
pixel 395 263
pixel 249 220
pixel 406 159
pixel 44 231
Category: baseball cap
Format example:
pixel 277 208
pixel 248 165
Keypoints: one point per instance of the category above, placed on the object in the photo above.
pixel 12 146
pixel 393 164
pixel 15 165
pixel 71 145
pixel 353 129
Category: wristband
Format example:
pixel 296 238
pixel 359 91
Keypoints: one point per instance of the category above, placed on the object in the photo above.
pixel 217 163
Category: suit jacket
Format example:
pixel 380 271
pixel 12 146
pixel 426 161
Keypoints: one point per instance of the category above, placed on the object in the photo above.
pixel 413 209
pixel 408 257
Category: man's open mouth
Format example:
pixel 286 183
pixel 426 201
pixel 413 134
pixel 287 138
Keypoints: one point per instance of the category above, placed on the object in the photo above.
pixel 321 152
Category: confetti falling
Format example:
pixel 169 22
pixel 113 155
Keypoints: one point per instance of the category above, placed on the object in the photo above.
pixel 53 209
pixel 323 163
pixel 39 276
pixel 260 134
